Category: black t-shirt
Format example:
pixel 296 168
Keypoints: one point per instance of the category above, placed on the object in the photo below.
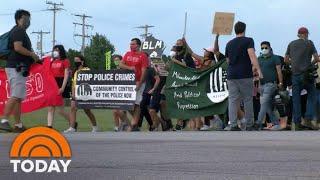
pixel 150 74
pixel 239 61
pixel 18 34
pixel 186 58
pixel 221 57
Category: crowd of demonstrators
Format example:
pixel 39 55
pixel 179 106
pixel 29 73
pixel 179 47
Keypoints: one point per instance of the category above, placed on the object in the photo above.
pixel 59 66
pixel 150 92
pixel 267 92
pixel 80 65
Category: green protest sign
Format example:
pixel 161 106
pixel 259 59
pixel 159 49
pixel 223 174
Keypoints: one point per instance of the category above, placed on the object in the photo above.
pixel 192 93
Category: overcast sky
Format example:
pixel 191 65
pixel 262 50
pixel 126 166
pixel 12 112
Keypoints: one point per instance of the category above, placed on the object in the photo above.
pixel 274 20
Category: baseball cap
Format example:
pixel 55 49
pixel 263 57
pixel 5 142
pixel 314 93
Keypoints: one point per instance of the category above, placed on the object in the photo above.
pixel 209 49
pixel 303 30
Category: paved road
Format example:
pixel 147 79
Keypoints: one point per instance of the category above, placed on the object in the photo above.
pixel 184 155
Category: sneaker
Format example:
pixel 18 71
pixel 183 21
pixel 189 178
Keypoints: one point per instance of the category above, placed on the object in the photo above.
pixel 314 125
pixel 4 125
pixel 243 124
pixel 19 130
pixel 299 127
pixel 116 129
pixel 123 127
pixel 205 128
pixel 232 128
pixel 217 124
pixel 76 126
pixel 275 128
pixel 178 127
pixel 257 127
pixel 70 130
pixel 135 129
pixel 151 128
pixel 95 129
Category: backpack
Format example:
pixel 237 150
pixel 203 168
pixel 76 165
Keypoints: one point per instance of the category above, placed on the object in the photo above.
pixel 4 46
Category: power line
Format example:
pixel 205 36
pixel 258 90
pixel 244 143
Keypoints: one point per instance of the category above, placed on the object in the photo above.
pixel 40 37
pixel 55 7
pixel 84 35
pixel 146 28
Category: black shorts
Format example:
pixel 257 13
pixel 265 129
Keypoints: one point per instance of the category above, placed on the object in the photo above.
pixel 281 107
pixel 155 102
pixel 67 90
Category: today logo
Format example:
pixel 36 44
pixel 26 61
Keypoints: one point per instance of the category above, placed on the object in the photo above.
pixel 40 150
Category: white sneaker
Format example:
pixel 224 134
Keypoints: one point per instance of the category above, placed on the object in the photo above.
pixel 95 129
pixel 116 129
pixel 70 130
pixel 204 128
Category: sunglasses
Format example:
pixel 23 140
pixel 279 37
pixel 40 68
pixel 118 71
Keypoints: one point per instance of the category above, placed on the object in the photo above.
pixel 264 48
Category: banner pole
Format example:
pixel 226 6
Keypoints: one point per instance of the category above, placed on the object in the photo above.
pixel 185 24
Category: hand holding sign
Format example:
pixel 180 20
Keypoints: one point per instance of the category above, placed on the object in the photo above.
pixel 223 23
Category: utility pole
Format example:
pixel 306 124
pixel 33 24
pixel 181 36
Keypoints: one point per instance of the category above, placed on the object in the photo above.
pixel 55 7
pixel 145 27
pixel 40 37
pixel 84 35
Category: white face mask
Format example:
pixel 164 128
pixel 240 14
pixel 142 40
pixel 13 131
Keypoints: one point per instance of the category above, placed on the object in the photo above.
pixel 265 51
pixel 172 53
pixel 55 54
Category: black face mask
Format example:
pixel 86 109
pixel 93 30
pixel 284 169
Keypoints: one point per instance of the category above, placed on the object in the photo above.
pixel 77 64
pixel 179 48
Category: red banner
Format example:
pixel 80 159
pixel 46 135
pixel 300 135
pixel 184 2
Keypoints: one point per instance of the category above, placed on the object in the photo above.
pixel 42 90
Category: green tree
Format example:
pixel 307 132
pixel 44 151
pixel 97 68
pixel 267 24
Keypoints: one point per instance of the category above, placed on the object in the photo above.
pixel 95 52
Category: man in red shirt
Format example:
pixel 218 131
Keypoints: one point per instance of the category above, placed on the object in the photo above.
pixel 138 62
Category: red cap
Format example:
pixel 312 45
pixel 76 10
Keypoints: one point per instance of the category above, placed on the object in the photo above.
pixel 303 30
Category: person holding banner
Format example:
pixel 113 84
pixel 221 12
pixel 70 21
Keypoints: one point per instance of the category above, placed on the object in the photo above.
pixel 119 124
pixel 210 55
pixel 80 65
pixel 209 58
pixel 241 60
pixel 181 55
pixel 17 69
pixel 152 80
pixel 59 66
pixel 137 61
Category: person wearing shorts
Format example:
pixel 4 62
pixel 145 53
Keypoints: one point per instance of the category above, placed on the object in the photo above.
pixel 21 55
pixel 80 65
pixel 138 62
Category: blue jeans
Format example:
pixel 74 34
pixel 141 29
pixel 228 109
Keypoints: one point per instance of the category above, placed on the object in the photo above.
pixel 318 103
pixel 298 83
pixel 267 92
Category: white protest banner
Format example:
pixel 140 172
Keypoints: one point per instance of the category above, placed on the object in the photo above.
pixel 112 89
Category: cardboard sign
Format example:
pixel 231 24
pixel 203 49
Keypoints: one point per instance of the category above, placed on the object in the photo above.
pixel 223 23
pixel 154 47
pixel 160 65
